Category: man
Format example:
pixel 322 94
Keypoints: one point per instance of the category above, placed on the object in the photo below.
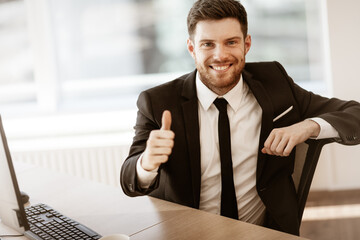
pixel 178 152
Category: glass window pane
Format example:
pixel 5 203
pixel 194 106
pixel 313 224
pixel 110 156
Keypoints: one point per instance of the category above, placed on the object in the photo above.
pixel 105 38
pixel 288 31
pixel 16 68
pixel 107 51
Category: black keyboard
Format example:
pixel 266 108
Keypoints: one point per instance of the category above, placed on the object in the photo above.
pixel 46 223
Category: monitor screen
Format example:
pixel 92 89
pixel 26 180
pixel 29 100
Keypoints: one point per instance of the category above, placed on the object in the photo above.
pixel 12 211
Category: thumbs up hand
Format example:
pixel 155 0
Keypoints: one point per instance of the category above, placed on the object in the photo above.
pixel 159 145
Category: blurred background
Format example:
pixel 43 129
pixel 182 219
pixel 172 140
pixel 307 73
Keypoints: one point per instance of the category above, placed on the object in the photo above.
pixel 71 71
pixel 91 55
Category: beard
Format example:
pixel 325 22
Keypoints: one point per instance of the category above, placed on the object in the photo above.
pixel 220 83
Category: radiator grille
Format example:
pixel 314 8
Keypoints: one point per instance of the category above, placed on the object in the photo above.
pixel 101 164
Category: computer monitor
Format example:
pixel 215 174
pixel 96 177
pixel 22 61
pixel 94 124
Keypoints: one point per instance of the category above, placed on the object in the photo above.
pixel 12 211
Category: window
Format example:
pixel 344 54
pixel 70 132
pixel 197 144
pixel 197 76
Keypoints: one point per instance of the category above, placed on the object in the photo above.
pixel 289 32
pixel 95 55
pixel 104 48
pixel 17 85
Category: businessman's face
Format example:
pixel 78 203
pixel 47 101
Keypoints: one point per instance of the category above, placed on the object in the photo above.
pixel 219 48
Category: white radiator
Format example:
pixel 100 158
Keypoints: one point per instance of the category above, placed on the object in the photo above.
pixel 100 164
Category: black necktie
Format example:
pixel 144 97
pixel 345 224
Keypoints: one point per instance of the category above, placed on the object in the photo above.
pixel 228 196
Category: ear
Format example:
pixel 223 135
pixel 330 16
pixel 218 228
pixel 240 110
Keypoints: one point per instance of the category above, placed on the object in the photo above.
pixel 190 47
pixel 247 43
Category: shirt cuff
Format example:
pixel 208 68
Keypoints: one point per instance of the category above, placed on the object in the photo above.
pixel 326 130
pixel 144 177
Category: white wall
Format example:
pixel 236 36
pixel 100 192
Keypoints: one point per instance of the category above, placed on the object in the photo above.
pixel 339 166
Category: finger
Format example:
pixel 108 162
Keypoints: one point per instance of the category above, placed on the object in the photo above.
pixel 160 151
pixel 159 134
pixel 275 143
pixel 263 150
pixel 162 158
pixel 289 148
pixel 267 143
pixel 158 159
pixel 269 139
pixel 281 146
pixel 155 143
pixel 267 151
pixel 166 120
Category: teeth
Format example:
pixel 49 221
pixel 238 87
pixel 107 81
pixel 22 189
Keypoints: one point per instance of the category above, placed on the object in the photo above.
pixel 220 68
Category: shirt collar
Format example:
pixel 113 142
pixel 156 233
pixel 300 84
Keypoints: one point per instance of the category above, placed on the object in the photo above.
pixel 233 97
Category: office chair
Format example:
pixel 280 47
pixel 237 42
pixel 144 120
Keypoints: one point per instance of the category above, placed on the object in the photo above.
pixel 306 158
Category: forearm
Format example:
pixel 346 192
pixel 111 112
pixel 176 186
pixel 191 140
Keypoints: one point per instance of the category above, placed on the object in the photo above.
pixel 343 116
pixel 346 122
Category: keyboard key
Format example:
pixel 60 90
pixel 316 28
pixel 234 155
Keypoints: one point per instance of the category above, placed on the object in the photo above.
pixel 47 223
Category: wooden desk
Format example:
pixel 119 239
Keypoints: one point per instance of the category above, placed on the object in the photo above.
pixel 107 210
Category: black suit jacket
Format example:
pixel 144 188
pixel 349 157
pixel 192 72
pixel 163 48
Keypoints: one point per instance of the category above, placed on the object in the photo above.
pixel 179 179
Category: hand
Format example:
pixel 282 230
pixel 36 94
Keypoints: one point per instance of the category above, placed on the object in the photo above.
pixel 159 145
pixel 281 141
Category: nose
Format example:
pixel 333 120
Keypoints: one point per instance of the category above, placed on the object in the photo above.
pixel 221 53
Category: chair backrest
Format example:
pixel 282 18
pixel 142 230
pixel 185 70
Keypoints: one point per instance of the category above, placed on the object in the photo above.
pixel 306 158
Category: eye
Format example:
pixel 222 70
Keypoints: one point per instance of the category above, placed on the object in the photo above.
pixel 208 44
pixel 230 43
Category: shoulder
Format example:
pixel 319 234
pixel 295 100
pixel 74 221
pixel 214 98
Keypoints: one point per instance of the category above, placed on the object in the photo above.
pixel 265 68
pixel 167 95
pixel 270 74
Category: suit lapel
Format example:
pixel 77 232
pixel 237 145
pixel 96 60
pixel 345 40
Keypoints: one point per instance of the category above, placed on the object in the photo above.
pixel 264 101
pixel 191 121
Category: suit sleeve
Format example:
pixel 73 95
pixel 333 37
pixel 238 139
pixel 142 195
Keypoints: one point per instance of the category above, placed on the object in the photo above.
pixel 145 123
pixel 344 116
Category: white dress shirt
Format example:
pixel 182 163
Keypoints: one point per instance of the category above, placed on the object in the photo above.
pixel 245 123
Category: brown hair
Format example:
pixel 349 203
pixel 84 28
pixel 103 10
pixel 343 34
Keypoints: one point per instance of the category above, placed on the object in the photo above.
pixel 216 10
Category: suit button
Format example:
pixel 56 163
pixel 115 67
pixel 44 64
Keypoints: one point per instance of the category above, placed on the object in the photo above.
pixel 351 138
pixel 131 187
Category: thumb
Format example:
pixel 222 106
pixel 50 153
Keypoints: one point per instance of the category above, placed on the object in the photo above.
pixel 166 120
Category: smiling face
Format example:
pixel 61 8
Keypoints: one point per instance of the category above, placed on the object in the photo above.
pixel 219 48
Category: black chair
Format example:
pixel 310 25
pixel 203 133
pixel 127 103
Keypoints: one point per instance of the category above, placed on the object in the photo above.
pixel 306 159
